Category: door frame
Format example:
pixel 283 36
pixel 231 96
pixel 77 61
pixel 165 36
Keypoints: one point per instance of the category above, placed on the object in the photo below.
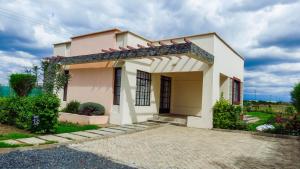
pixel 162 87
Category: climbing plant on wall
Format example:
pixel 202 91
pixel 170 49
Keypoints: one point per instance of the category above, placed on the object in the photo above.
pixel 54 76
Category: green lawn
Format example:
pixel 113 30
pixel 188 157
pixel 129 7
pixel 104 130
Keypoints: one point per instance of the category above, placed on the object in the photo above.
pixel 264 118
pixel 5 145
pixel 70 127
pixel 14 136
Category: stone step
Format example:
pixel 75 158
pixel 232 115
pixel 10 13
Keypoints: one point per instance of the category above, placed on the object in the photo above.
pixel 12 142
pixel 54 138
pixel 100 132
pixel 172 119
pixel 111 130
pixel 72 136
pixel 87 134
pixel 31 140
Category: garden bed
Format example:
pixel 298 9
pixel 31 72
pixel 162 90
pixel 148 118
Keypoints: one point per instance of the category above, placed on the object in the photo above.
pixel 82 119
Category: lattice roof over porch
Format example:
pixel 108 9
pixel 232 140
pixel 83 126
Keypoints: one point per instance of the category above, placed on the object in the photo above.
pixel 188 49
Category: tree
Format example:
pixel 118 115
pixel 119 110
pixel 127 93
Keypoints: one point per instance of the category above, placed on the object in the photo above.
pixel 295 95
pixel 22 83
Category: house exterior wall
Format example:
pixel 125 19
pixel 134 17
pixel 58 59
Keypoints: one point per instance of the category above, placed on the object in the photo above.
pixel 62 49
pixel 94 43
pixel 92 85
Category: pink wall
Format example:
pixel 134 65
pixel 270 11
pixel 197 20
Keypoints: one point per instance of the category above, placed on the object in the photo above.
pixel 93 43
pixel 92 85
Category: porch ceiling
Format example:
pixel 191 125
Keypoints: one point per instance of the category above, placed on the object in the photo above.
pixel 189 49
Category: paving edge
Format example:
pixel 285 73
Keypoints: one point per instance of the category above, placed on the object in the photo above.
pixel 45 146
pixel 259 133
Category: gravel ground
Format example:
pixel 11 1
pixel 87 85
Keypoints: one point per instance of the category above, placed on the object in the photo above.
pixel 56 158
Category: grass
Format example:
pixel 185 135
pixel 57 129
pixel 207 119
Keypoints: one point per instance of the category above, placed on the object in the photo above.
pixel 14 136
pixel 5 145
pixel 264 118
pixel 70 127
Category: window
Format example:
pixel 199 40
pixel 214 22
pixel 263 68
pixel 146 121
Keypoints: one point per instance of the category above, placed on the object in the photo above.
pixel 143 88
pixel 236 91
pixel 65 87
pixel 117 86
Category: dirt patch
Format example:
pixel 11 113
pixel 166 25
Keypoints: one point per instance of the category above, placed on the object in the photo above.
pixel 4 129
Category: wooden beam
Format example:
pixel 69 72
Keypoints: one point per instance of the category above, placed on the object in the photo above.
pixel 186 40
pixel 105 51
pixel 161 43
pixel 122 48
pixel 150 44
pixel 130 47
pixel 113 50
pixel 141 46
pixel 173 42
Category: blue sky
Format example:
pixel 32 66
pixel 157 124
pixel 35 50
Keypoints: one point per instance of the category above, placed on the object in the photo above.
pixel 265 32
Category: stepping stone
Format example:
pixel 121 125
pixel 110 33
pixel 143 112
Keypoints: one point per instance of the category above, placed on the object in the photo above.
pixel 12 142
pixel 54 138
pixel 71 136
pixel 100 132
pixel 31 140
pixel 112 130
pixel 86 134
pixel 122 128
pixel 134 127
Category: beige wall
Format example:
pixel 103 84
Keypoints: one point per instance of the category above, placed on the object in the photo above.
pixel 92 85
pixel 62 49
pixel 94 43
pixel 127 38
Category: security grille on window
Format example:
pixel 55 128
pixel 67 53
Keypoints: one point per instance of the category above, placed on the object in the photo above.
pixel 117 86
pixel 236 91
pixel 143 88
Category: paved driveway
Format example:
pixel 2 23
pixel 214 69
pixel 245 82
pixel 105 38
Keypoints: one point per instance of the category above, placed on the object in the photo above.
pixel 165 147
pixel 181 147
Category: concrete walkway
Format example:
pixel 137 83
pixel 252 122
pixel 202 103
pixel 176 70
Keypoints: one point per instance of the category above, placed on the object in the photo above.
pixel 83 135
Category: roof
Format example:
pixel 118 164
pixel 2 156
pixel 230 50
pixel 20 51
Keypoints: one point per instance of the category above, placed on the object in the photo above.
pixel 59 43
pixel 188 49
pixel 123 32
pixel 94 33
pixel 204 34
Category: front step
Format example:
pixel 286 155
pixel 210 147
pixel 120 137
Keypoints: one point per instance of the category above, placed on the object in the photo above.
pixel 171 119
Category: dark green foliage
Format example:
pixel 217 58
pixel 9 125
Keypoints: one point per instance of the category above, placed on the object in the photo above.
pixel 287 125
pixel 295 95
pixel 290 110
pixel 227 116
pixel 19 111
pixel 72 107
pixel 3 110
pixel 90 108
pixel 22 84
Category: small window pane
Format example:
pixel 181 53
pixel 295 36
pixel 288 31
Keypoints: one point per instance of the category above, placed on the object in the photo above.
pixel 143 88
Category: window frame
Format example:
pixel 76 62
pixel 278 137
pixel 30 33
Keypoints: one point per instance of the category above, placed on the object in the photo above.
pixel 238 82
pixel 143 88
pixel 117 86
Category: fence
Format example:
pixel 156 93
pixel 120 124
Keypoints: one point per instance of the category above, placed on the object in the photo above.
pixel 6 91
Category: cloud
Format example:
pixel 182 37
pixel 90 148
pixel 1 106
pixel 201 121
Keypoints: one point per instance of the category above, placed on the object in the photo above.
pixel 265 32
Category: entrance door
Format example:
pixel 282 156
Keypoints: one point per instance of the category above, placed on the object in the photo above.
pixel 165 94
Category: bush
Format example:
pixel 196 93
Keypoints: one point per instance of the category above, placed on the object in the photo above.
pixel 38 114
pixel 227 116
pixel 90 108
pixel 295 95
pixel 22 84
pixel 290 110
pixel 72 107
pixel 3 110
pixel 287 125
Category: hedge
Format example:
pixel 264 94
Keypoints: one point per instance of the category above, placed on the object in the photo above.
pixel 38 114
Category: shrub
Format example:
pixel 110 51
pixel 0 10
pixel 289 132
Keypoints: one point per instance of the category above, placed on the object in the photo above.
pixel 72 107
pixel 287 125
pixel 290 110
pixel 90 108
pixel 295 95
pixel 227 116
pixel 3 110
pixel 23 111
pixel 22 84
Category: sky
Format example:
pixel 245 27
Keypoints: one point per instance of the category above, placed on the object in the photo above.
pixel 265 32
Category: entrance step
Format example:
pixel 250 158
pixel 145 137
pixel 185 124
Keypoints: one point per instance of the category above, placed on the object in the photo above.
pixel 179 120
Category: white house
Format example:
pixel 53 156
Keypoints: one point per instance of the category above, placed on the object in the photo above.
pixel 136 79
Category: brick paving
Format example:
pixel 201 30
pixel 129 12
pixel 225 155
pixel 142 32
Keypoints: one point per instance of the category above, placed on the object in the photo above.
pixel 182 147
